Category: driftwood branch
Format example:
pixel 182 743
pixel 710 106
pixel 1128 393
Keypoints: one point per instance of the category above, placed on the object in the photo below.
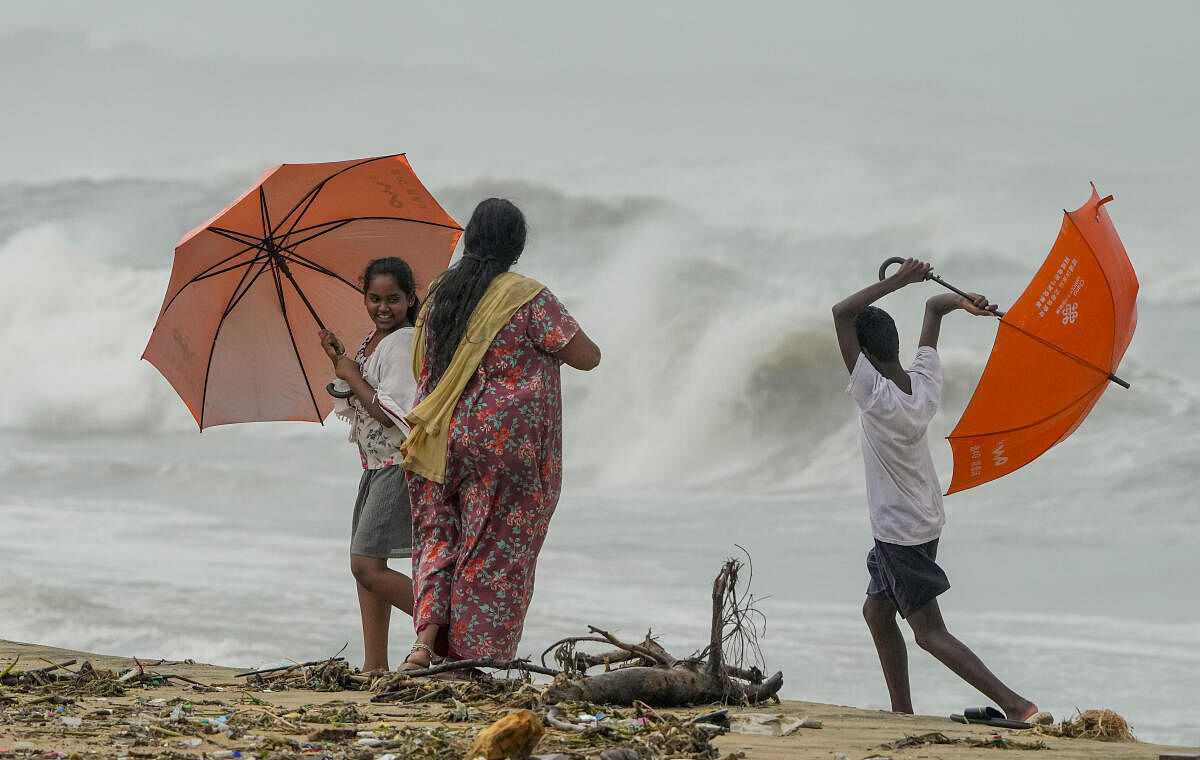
pixel 716 673
pixel 482 662
pixel 640 650
pixel 292 666
pixel 649 652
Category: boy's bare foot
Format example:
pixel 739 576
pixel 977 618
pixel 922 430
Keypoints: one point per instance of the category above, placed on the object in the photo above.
pixel 1022 711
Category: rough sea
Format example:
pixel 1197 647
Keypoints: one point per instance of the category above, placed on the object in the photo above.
pixel 704 266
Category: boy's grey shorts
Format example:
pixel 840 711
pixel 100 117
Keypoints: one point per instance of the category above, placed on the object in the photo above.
pixel 907 576
pixel 382 525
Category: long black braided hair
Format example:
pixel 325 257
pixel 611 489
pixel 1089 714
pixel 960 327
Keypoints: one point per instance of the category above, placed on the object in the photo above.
pixel 492 243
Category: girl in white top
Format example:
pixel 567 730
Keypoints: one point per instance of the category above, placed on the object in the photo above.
pixel 376 391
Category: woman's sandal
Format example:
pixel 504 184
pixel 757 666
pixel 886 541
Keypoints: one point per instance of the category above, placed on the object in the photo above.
pixel 419 647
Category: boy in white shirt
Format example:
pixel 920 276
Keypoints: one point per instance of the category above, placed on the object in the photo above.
pixel 903 492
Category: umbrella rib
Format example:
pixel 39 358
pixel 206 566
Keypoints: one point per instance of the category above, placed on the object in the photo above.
pixel 1103 271
pixel 314 266
pixel 1035 423
pixel 307 201
pixel 329 227
pixel 234 299
pixel 205 273
pixel 266 214
pixel 237 296
pixel 311 195
pixel 245 238
pixel 376 219
pixel 287 322
pixel 1059 349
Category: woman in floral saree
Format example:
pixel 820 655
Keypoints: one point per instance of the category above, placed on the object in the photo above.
pixel 485 452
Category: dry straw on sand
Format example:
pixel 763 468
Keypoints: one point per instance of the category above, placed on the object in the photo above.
pixel 1103 725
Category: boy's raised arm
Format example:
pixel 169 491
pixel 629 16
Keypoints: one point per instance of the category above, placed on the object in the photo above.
pixel 845 310
pixel 940 305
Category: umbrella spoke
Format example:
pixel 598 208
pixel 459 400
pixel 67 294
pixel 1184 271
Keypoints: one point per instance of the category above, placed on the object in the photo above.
pixel 307 201
pixel 329 227
pixel 291 336
pixel 314 266
pixel 246 239
pixel 266 214
pixel 230 268
pixel 1035 423
pixel 1059 349
pixel 238 293
pixel 410 220
pixel 311 195
pixel 206 273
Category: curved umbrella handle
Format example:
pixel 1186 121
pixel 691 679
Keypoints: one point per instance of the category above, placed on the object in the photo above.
pixel 900 260
pixel 883 267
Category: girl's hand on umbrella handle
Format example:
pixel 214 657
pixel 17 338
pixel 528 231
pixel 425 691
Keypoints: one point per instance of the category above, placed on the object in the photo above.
pixel 345 368
pixel 333 347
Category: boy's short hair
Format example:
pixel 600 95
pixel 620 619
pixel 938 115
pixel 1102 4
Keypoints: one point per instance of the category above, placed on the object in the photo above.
pixel 877 334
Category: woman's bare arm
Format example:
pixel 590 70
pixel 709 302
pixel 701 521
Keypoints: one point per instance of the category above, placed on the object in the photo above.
pixel 580 352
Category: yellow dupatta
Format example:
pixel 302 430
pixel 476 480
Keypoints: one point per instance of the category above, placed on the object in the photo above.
pixel 428 438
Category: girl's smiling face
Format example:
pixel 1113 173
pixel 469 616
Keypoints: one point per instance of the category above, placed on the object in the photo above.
pixel 387 303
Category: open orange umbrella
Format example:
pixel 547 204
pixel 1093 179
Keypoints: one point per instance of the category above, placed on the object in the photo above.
pixel 250 288
pixel 1055 352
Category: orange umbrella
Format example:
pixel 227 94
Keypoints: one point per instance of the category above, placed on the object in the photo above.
pixel 250 288
pixel 1055 352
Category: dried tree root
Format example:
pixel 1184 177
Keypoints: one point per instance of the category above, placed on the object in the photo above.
pixel 664 680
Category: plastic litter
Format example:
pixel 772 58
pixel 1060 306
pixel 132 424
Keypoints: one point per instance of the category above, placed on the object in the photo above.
pixel 766 724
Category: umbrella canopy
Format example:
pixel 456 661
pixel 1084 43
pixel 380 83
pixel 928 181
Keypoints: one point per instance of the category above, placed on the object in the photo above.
pixel 250 288
pixel 1055 353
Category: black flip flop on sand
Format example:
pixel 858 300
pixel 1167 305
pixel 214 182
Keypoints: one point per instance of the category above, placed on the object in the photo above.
pixel 988 716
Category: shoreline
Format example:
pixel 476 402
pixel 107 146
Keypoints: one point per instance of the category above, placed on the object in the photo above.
pixel 853 732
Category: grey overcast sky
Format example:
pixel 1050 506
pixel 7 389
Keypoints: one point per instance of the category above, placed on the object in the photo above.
pixel 1011 41
pixel 550 90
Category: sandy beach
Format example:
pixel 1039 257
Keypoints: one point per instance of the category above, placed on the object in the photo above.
pixel 181 715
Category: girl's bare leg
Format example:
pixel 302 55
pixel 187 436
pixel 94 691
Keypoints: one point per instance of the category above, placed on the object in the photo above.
pixel 379 590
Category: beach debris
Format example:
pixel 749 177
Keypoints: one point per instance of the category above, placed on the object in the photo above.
pixel 766 724
pixel 330 674
pixel 1103 725
pixel 648 673
pixel 995 741
pixel 58 680
pixel 513 736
